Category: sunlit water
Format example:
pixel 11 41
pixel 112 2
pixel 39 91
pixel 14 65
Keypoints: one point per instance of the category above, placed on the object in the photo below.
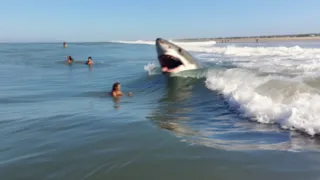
pixel 252 112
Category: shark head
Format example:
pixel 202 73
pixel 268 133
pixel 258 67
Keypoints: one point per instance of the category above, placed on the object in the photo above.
pixel 172 58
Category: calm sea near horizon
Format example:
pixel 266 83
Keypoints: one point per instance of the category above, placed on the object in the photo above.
pixel 250 113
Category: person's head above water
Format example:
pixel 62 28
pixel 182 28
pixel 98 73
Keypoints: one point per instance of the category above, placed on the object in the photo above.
pixel 89 62
pixel 70 58
pixel 116 87
pixel 116 90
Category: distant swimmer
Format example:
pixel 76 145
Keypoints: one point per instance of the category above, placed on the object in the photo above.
pixel 116 90
pixel 89 62
pixel 64 44
pixel 69 59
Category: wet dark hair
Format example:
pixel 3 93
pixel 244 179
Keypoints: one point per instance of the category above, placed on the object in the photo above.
pixel 89 57
pixel 115 85
pixel 70 58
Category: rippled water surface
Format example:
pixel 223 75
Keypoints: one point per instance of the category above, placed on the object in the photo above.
pixel 252 112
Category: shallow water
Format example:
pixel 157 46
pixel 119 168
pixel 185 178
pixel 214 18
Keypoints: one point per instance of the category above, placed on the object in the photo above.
pixel 252 113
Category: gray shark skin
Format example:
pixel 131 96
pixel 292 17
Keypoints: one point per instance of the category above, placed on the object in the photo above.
pixel 174 59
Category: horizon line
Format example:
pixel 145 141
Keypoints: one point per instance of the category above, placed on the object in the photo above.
pixel 203 38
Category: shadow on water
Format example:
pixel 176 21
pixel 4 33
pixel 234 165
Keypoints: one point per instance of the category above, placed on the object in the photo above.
pixel 179 89
pixel 173 106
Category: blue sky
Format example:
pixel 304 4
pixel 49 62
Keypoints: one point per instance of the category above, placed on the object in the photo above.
pixel 103 20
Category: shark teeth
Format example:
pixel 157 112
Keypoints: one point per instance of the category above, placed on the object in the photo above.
pixel 169 62
pixel 166 56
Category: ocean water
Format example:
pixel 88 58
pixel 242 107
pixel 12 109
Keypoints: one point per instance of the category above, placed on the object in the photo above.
pixel 251 112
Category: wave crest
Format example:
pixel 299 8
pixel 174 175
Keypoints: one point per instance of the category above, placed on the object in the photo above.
pixel 191 46
pixel 263 100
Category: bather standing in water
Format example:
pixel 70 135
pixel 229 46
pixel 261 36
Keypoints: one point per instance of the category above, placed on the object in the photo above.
pixel 89 62
pixel 116 90
pixel 69 60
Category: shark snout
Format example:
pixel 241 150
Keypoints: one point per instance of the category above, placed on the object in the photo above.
pixel 161 46
pixel 162 42
pixel 159 40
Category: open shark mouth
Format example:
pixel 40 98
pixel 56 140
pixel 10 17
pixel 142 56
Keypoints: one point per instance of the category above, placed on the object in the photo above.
pixel 169 63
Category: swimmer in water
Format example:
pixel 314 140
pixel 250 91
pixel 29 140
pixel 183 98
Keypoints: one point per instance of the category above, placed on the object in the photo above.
pixel 69 60
pixel 116 90
pixel 89 62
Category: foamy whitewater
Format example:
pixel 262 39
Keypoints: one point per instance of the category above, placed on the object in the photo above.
pixel 267 83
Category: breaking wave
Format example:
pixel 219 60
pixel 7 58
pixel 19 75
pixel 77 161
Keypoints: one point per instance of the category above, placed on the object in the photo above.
pixel 278 85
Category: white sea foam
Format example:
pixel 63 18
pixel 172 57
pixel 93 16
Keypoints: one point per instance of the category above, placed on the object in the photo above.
pixel 187 45
pixel 291 60
pixel 135 42
pixel 151 68
pixel 270 99
pixel 288 96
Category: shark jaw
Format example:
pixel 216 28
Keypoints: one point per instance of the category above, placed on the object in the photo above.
pixel 172 58
pixel 170 64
